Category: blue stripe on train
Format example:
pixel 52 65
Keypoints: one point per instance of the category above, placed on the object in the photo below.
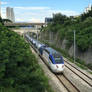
pixel 53 60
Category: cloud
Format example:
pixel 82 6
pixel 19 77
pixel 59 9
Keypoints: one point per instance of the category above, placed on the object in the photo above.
pixel 70 13
pixel 4 3
pixel 32 8
pixel 36 14
pixel 31 14
pixel 33 20
pixel 66 12
pixel 3 12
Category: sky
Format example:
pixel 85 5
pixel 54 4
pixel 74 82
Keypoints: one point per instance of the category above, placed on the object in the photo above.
pixel 37 10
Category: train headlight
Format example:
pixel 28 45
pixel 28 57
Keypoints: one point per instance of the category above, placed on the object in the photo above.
pixel 62 66
pixel 57 66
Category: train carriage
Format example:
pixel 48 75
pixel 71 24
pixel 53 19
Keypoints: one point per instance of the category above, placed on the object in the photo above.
pixel 53 58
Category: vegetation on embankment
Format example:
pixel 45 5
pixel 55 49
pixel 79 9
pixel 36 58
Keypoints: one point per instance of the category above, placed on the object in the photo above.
pixel 65 27
pixel 19 69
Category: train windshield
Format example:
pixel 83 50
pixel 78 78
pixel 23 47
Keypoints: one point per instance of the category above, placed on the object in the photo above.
pixel 58 58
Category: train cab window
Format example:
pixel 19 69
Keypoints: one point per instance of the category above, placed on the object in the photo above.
pixel 59 60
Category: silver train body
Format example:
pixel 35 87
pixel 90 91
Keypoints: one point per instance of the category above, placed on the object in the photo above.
pixel 52 58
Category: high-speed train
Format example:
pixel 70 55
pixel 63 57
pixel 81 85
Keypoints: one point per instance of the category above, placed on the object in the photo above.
pixel 52 58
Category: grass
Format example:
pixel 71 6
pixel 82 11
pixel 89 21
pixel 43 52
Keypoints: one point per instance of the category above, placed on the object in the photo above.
pixel 90 72
pixel 81 66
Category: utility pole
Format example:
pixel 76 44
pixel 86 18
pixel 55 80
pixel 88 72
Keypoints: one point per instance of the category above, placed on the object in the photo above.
pixel 37 32
pixel 50 36
pixel 74 46
pixel 37 35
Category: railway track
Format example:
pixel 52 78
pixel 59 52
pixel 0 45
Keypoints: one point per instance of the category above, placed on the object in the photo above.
pixel 67 84
pixel 61 77
pixel 78 70
pixel 79 73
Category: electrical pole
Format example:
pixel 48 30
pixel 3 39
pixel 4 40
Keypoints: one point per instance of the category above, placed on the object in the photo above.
pixel 37 32
pixel 74 46
pixel 37 35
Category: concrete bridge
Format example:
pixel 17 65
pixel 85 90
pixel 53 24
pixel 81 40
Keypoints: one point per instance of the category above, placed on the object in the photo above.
pixel 22 31
pixel 23 24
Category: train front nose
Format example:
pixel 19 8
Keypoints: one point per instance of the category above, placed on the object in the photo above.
pixel 59 68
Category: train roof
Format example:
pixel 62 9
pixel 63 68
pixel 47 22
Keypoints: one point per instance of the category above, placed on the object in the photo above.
pixel 51 50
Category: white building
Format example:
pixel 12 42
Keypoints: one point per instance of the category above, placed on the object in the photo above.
pixel 87 9
pixel 10 14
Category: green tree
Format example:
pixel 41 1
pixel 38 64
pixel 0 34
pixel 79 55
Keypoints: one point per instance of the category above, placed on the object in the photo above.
pixel 59 18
